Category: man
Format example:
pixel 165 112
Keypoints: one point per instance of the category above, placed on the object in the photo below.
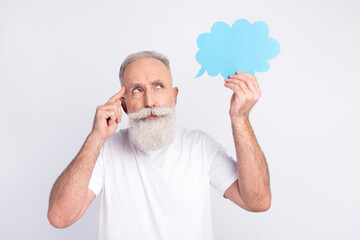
pixel 154 177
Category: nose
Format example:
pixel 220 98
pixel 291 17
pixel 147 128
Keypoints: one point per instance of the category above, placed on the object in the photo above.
pixel 149 100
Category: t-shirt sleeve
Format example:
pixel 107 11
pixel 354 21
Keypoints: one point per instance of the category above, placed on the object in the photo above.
pixel 222 167
pixel 97 177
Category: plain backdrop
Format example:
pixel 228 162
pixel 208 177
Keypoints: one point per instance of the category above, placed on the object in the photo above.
pixel 59 60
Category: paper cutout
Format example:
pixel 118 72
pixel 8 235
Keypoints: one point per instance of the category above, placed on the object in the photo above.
pixel 242 47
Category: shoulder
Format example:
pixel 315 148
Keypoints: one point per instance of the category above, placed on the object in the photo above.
pixel 197 136
pixel 191 134
pixel 118 137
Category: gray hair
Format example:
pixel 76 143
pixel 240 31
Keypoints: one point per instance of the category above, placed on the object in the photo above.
pixel 143 54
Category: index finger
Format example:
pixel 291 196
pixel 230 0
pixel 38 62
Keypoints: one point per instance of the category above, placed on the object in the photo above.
pixel 117 96
pixel 252 77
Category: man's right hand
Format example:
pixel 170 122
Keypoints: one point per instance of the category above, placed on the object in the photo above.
pixel 107 117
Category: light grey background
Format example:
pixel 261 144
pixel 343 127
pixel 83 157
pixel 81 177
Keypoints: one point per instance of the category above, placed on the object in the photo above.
pixel 60 59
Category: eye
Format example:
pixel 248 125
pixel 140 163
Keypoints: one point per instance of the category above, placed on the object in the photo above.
pixel 136 90
pixel 159 86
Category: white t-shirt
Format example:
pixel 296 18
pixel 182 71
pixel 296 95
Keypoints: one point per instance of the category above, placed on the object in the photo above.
pixel 162 194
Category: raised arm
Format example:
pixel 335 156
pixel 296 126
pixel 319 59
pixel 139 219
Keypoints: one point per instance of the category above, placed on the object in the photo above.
pixel 252 189
pixel 70 195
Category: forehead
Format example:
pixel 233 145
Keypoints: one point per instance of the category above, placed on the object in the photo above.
pixel 146 70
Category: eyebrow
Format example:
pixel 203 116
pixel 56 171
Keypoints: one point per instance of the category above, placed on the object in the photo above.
pixel 156 82
pixel 136 85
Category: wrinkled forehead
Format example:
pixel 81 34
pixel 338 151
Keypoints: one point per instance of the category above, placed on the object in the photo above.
pixel 146 70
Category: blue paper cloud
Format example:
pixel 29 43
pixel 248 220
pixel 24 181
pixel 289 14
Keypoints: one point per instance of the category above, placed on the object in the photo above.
pixel 242 47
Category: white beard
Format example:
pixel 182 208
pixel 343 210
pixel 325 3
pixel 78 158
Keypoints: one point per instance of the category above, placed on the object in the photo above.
pixel 152 134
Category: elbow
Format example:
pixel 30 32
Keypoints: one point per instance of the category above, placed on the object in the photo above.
pixel 261 206
pixel 56 220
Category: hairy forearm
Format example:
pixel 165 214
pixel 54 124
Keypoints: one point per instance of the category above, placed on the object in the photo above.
pixel 253 171
pixel 69 192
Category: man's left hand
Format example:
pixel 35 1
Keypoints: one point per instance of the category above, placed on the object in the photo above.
pixel 246 94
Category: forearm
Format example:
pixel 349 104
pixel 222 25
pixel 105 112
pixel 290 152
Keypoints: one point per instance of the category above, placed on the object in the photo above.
pixel 69 192
pixel 253 171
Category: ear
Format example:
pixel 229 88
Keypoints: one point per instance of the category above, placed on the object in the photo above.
pixel 123 104
pixel 176 91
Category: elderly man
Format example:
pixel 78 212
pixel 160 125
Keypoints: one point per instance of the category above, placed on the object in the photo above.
pixel 154 177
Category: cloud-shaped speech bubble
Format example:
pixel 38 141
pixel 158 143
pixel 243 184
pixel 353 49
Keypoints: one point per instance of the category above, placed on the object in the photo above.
pixel 243 47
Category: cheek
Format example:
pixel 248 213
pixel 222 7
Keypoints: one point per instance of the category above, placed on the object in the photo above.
pixel 134 105
pixel 166 99
pixel 138 106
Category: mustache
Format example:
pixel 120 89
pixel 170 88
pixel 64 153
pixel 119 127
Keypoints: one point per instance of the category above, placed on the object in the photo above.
pixel 146 112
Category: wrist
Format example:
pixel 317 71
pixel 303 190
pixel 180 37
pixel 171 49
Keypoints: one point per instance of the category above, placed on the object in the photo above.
pixel 239 119
pixel 240 123
pixel 92 137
